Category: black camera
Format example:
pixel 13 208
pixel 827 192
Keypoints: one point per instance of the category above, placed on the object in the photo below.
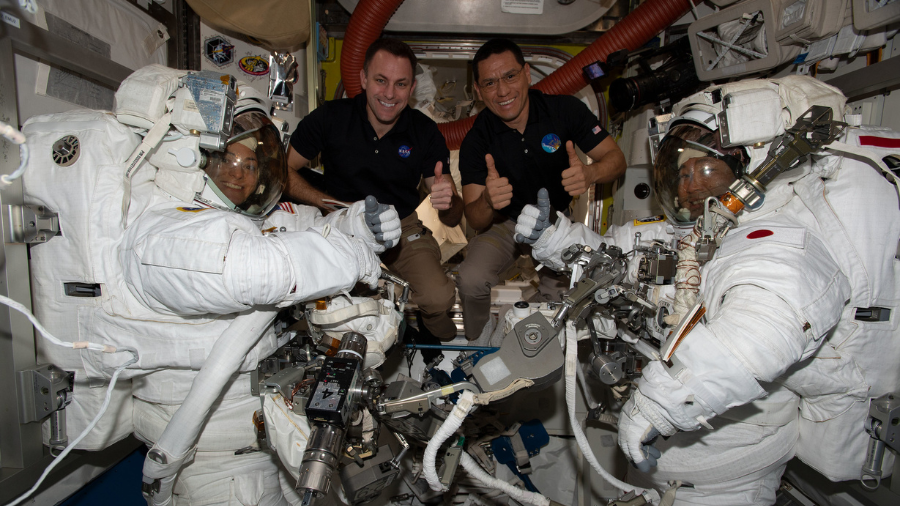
pixel 675 79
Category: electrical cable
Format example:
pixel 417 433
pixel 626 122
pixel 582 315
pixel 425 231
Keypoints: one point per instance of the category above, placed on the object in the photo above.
pixel 103 407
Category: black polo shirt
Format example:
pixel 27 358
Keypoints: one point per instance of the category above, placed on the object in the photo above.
pixel 358 163
pixel 535 159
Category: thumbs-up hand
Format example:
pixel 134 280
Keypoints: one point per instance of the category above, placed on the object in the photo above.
pixel 441 191
pixel 497 190
pixel 534 220
pixel 575 179
pixel 383 223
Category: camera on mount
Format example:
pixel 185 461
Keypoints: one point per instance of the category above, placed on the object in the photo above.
pixel 673 80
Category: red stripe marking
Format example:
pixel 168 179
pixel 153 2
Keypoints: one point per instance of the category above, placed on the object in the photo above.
pixel 878 142
pixel 757 234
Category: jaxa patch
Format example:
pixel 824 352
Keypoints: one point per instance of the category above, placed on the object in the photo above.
pixel 191 209
pixel 650 219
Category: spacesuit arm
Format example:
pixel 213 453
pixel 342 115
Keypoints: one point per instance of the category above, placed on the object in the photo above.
pixel 211 262
pixel 774 312
pixel 292 217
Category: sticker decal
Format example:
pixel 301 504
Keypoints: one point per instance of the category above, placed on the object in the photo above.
pixel 551 143
pixel 219 50
pixel 404 151
pixel 254 65
pixel 759 234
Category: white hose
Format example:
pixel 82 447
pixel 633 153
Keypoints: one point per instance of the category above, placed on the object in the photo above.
pixel 223 362
pixel 571 367
pixel 516 493
pixel 103 407
pixel 18 138
pixel 463 407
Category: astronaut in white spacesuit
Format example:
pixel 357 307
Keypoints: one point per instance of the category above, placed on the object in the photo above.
pixel 780 367
pixel 197 261
pixel 202 250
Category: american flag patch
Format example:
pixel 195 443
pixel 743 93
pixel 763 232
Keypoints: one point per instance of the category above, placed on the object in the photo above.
pixel 287 207
pixel 596 130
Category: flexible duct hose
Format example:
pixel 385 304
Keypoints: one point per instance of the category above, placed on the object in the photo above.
pixel 181 434
pixel 368 20
pixel 520 495
pixel 632 32
pixel 570 374
pixel 464 406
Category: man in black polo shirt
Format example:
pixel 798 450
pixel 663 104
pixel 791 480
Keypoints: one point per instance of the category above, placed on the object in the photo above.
pixel 374 144
pixel 522 142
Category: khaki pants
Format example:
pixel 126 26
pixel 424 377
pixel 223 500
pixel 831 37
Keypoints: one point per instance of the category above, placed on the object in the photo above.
pixel 417 259
pixel 488 255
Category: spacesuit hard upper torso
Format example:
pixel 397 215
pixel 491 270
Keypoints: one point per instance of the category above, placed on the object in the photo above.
pixel 780 295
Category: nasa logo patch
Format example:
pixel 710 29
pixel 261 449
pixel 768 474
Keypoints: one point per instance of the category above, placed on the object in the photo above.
pixel 550 143
pixel 404 151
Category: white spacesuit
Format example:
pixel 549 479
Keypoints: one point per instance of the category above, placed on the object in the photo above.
pixel 780 366
pixel 178 277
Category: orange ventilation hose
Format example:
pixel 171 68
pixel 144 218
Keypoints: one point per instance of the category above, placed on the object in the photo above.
pixel 370 17
pixel 368 20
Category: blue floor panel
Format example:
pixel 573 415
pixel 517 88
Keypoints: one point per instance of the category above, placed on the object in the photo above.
pixel 119 486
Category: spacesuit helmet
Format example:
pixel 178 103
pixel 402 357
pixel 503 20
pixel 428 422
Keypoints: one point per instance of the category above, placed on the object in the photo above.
pixel 250 175
pixel 691 164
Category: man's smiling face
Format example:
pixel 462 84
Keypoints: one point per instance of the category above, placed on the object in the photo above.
pixel 388 83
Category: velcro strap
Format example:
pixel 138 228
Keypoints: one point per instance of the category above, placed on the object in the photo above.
pixel 158 470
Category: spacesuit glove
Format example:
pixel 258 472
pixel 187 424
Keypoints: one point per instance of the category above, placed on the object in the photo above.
pixel 376 224
pixel 533 221
pixel 383 222
pixel 636 437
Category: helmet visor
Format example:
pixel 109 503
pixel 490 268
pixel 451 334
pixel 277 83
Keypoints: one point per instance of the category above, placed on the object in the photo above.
pixel 252 171
pixel 690 166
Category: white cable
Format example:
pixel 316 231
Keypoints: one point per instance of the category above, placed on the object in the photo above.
pixel 103 407
pixel 11 134
pixel 463 407
pixel 78 345
pixel 571 365
pixel 694 9
pixel 16 137
pixel 515 493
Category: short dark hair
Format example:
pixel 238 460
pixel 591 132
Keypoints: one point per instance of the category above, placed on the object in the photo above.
pixel 496 46
pixel 394 47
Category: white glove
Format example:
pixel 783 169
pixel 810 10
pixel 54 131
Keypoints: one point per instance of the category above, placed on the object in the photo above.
pixel 369 263
pixel 376 224
pixel 533 221
pixel 383 222
pixel 636 437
